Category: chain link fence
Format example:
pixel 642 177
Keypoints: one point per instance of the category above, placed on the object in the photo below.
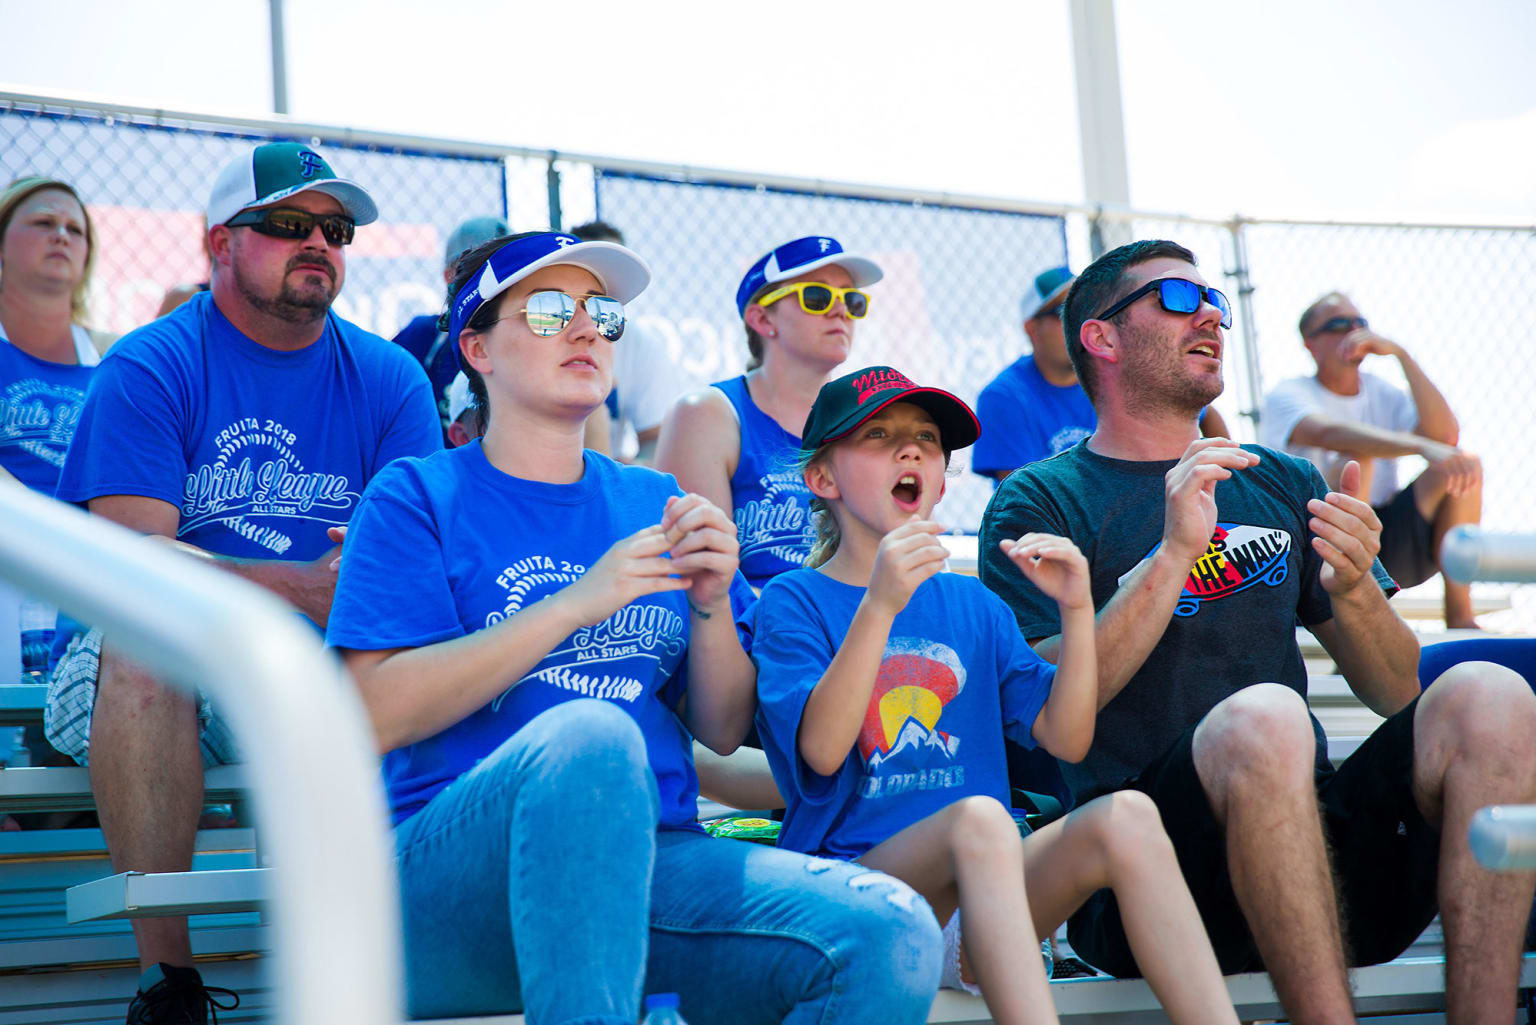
pixel 956 267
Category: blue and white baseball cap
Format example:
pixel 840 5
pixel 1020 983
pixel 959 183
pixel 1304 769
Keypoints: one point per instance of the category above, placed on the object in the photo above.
pixel 802 256
pixel 277 170
pixel 622 274
pixel 1050 287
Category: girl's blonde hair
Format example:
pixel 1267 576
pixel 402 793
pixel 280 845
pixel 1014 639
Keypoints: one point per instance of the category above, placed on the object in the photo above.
pixel 12 196
pixel 828 534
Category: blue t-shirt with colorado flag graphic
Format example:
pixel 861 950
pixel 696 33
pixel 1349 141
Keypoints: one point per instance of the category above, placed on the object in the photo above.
pixel 39 408
pixel 444 546
pixel 955 679
pixel 772 504
pixel 259 450
pixel 1235 621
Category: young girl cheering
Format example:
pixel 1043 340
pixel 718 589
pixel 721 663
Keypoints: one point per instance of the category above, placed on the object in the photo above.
pixel 886 687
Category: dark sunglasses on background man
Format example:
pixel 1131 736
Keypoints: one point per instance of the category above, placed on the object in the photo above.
pixel 1178 295
pixel 819 298
pixel 550 312
pixel 280 222
pixel 1338 324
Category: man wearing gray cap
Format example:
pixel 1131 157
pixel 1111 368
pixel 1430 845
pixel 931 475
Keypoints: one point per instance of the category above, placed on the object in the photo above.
pixel 244 427
pixel 421 337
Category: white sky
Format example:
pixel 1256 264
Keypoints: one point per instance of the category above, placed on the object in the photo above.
pixel 1415 109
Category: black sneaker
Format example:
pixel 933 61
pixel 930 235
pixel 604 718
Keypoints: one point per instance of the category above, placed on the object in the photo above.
pixel 178 998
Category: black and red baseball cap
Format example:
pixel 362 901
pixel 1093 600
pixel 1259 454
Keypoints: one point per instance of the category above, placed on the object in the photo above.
pixel 843 404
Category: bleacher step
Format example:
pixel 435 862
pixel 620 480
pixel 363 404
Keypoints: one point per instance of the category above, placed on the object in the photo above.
pixel 69 788
pixel 39 954
pixel 1404 986
pixel 168 894
pixel 21 704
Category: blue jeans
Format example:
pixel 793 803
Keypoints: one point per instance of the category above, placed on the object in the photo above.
pixel 538 882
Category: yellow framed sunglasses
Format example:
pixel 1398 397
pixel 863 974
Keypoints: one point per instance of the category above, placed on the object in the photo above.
pixel 818 298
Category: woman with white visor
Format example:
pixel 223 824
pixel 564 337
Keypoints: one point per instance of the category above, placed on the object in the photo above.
pixel 538 633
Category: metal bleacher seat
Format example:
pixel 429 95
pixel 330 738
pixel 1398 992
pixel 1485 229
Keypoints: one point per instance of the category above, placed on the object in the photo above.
pixel 21 704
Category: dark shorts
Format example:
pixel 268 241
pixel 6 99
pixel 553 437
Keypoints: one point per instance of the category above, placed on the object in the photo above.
pixel 1385 856
pixel 1407 540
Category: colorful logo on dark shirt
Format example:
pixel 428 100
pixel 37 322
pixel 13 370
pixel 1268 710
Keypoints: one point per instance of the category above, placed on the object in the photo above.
pixel 1238 557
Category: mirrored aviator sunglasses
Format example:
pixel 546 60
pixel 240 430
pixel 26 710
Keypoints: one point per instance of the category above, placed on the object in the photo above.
pixel 279 222
pixel 548 313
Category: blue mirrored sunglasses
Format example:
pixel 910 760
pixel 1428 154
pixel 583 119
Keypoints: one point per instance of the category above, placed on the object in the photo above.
pixel 1178 295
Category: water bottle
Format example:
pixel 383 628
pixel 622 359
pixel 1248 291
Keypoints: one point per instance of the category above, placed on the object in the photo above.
pixel 661 1009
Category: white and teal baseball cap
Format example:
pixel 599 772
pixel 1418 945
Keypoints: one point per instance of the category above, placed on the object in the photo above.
pixel 277 170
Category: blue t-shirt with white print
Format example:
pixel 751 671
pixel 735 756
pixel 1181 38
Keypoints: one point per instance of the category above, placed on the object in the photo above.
pixel 260 450
pixel 448 545
pixel 39 407
pixel 772 504
pixel 1025 418
pixel 956 677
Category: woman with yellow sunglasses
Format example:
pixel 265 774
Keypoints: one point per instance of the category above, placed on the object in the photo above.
pixel 735 442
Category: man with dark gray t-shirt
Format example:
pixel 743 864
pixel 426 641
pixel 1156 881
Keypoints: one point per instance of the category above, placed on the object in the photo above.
pixel 1205 555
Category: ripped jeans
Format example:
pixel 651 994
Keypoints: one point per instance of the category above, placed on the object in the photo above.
pixel 537 882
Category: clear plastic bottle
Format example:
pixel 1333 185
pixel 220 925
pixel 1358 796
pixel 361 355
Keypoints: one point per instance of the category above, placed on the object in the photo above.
pixel 661 1009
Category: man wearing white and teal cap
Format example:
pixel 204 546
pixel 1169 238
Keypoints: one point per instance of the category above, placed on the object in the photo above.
pixel 244 425
pixel 1035 408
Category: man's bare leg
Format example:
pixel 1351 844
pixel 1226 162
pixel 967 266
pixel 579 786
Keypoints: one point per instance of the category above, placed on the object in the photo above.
pixel 1474 741
pixel 1254 753
pixel 1444 511
pixel 147 775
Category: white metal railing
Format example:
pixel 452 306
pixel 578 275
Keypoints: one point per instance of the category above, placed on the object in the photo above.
pixel 311 761
pixel 1502 836
pixel 1469 553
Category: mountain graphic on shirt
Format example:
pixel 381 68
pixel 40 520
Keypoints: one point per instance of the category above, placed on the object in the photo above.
pixel 914 736
pixel 916 679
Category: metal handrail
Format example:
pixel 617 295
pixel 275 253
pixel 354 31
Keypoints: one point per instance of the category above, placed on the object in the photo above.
pixel 1503 837
pixel 1470 553
pixel 310 754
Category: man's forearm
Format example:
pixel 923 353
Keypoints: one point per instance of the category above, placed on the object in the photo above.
pixel 1357 439
pixel 294 582
pixel 1435 417
pixel 1130 625
pixel 1376 651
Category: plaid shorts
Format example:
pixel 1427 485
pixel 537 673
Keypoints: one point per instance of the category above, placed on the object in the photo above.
pixel 72 696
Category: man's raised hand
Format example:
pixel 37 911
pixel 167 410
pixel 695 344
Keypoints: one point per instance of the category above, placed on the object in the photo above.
pixel 1189 506
pixel 1346 533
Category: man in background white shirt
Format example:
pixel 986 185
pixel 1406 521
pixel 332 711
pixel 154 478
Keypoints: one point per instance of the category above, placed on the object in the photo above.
pixel 1342 413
